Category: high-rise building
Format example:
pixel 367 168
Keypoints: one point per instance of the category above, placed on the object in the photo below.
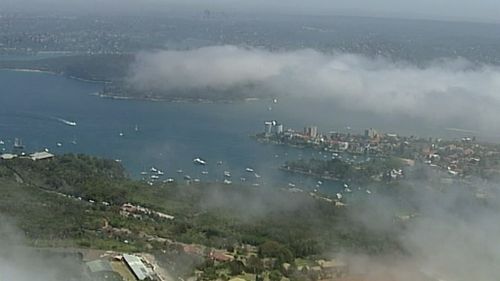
pixel 370 133
pixel 311 131
pixel 278 129
pixel 268 127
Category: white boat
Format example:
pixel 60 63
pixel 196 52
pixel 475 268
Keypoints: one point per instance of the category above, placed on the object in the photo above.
pixel 257 175
pixel 67 122
pixel 250 170
pixel 226 181
pixel 59 144
pixel 348 190
pixel 320 182
pixel 291 184
pixel 227 174
pixel 204 172
pixel 154 177
pixel 170 180
pixel 2 142
pixel 196 180
pixel 154 170
pixel 160 173
pixel 46 149
pixel 199 161
pixel 118 160
pixel 368 191
pixel 219 163
pixel 180 171
pixel 144 173
pixel 339 196
pixel 121 134
pixel 187 177
pixel 136 128
pixel 256 184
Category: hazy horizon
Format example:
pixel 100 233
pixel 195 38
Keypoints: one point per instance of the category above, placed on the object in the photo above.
pixel 444 10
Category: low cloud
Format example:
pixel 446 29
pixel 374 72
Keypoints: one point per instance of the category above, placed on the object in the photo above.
pixel 446 89
pixel 22 263
pixel 449 232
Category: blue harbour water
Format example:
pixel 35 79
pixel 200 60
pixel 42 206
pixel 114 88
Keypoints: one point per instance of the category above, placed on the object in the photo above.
pixel 168 135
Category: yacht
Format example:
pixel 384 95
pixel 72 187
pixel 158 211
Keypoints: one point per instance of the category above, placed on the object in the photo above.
pixel 204 172
pixel 170 180
pixel 250 170
pixel 59 144
pixel 226 181
pixel 257 175
pixel 227 174
pixel 154 170
pixel 180 171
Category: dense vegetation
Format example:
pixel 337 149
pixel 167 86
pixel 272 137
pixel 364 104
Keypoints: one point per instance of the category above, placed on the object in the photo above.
pixel 342 170
pixel 61 202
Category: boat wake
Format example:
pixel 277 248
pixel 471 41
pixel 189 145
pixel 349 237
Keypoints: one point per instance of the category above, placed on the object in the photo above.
pixel 67 122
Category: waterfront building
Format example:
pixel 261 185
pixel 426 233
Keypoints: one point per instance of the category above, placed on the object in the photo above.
pixel 311 131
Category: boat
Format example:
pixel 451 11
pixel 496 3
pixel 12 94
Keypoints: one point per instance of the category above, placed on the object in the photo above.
pixel 320 182
pixel 219 163
pixel 250 170
pixel 204 172
pixel 227 174
pixel 199 161
pixel 118 160
pixel 46 149
pixel 226 181
pixel 180 171
pixel 196 180
pixel 291 184
pixel 187 177
pixel 59 144
pixel 2 142
pixel 339 196
pixel 257 175
pixel 136 128
pixel 154 177
pixel 160 173
pixel 144 173
pixel 154 170
pixel 18 144
pixel 67 122
pixel 256 184
pixel 348 190
pixel 121 134
pixel 170 180
pixel 368 191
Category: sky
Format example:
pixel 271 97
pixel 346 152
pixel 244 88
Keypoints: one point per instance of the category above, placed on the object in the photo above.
pixel 479 10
